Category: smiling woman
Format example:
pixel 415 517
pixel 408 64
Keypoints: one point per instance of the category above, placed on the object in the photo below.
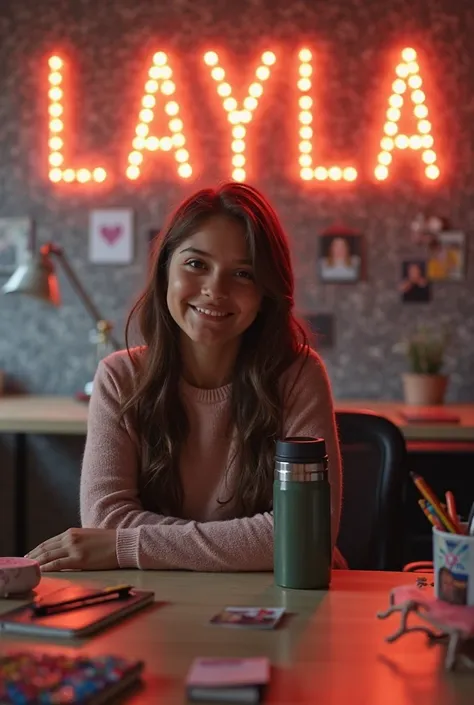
pixel 178 465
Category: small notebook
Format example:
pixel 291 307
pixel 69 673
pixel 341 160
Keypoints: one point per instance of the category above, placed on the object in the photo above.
pixel 32 677
pixel 230 680
pixel 74 623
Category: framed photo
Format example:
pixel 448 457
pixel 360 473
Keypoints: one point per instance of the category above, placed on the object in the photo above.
pixel 17 243
pixel 111 236
pixel 415 286
pixel 447 256
pixel 340 256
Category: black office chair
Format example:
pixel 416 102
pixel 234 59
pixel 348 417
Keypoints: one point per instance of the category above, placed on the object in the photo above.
pixel 374 473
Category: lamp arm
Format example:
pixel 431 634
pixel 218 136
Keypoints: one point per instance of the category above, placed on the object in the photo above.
pixel 78 288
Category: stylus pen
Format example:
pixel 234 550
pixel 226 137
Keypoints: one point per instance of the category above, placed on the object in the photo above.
pixel 113 592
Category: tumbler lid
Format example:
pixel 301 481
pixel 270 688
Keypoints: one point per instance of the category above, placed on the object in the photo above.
pixel 301 449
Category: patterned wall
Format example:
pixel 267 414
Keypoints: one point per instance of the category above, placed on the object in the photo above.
pixel 109 43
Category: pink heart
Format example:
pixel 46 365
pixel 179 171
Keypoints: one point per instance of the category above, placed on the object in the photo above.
pixel 111 233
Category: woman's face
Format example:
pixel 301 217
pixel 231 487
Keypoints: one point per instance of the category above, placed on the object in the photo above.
pixel 340 249
pixel 212 294
pixel 414 272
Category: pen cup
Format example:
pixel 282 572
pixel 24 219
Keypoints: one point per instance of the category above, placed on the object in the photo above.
pixel 453 566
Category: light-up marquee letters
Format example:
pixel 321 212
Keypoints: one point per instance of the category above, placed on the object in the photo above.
pixel 159 82
pixel 159 95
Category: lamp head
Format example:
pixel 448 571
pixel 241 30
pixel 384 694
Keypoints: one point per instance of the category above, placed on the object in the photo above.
pixel 36 278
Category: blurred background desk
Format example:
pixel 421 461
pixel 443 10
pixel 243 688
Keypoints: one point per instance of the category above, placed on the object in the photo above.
pixel 443 453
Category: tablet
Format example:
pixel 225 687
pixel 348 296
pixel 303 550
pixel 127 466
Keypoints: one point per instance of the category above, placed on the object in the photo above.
pixel 74 623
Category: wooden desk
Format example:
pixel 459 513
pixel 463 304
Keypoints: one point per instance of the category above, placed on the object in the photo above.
pixel 65 415
pixel 330 649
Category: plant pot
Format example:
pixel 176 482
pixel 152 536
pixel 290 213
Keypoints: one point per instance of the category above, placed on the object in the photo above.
pixel 424 390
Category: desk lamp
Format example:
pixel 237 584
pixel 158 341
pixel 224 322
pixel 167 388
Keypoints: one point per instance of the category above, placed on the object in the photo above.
pixel 37 278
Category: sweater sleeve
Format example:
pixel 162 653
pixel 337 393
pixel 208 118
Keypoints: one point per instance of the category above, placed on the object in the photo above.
pixel 109 497
pixel 244 544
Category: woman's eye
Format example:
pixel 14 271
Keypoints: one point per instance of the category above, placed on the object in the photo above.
pixel 244 274
pixel 195 264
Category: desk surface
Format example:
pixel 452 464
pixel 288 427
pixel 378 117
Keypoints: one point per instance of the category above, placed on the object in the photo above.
pixel 65 415
pixel 330 649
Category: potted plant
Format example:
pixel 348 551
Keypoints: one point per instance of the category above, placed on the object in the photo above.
pixel 425 384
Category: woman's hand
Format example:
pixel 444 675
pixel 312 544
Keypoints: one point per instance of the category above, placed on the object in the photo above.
pixel 78 549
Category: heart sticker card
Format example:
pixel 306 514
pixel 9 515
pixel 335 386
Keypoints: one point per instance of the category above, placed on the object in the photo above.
pixel 111 236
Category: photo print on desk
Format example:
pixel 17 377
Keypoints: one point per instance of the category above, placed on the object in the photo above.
pixel 340 255
pixel 17 243
pixel 415 286
pixel 111 236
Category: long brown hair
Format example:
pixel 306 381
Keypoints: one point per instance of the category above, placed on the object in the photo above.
pixel 268 347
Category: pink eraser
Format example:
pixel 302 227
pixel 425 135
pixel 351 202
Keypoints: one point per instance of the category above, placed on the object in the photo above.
pixel 18 575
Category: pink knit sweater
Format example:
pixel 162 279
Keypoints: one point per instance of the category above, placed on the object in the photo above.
pixel 207 537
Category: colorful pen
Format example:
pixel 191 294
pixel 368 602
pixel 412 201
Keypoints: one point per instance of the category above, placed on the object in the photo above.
pixel 452 511
pixel 104 595
pixel 431 498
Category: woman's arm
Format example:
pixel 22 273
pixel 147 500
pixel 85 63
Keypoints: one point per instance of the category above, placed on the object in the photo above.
pixel 244 544
pixel 109 496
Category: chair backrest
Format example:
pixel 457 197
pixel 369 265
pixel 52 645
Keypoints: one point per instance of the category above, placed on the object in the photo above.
pixel 374 473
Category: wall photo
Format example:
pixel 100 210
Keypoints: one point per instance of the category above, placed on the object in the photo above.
pixel 415 286
pixel 340 256
pixel 447 256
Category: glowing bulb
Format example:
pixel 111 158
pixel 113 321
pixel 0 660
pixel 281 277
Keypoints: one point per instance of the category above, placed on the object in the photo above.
pixel 408 54
pixel 306 117
pixel 185 171
pixel 349 174
pixel 160 58
pixel 146 115
pixel 320 173
pixel 305 160
pixel 238 160
pixel 306 173
pixel 415 142
pixel 262 73
pixel 238 146
pixel 83 175
pixel 182 155
pixel 176 125
pixel 402 70
pixel 399 86
pixel 224 89
pixel 255 90
pixel 135 158
pixel 178 139
pixel 415 81
pixel 238 175
pixel 268 58
pixel 55 78
pixel 55 63
pixel 390 128
pixel 401 141
pixel 304 85
pixel 238 132
pixel 218 73
pixel 55 175
pixel 211 58
pixel 305 55
pixel 432 171
pixel 420 111
pixel 56 159
pixel 151 86
pixel 429 156
pixel 69 175
pixel 148 101
pixel 396 100
pixel 250 103
pixel 99 175
pixel 427 141
pixel 381 172
pixel 142 130
pixel 413 67
pixel 424 126
pixel 171 108
pixel 418 96
pixel 230 105
pixel 56 125
pixel 133 172
pixel 55 143
pixel 305 102
pixel 138 143
pixel 385 158
pixel 166 143
pixel 55 93
pixel 393 114
pixel 152 143
pixel 305 70
pixel 245 116
pixel 387 144
pixel 168 87
pixel 306 132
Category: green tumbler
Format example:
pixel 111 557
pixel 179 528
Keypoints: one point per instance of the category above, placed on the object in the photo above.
pixel 302 514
